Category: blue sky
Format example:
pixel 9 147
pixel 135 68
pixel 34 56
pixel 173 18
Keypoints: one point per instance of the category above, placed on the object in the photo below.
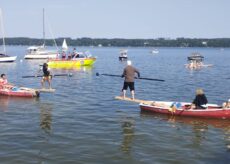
pixel 142 19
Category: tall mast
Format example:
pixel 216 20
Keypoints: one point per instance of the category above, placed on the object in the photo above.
pixel 44 27
pixel 2 28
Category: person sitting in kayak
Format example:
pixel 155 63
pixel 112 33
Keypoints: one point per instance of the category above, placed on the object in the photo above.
pixel 200 100
pixel 4 82
pixel 46 75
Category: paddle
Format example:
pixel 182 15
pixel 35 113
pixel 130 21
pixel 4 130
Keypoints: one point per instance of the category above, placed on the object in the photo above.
pixel 55 75
pixel 143 78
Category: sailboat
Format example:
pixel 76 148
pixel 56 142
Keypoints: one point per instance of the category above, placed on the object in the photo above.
pixel 40 52
pixel 3 56
pixel 64 46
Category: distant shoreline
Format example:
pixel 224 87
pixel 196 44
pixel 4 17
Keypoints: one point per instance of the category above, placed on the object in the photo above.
pixel 119 42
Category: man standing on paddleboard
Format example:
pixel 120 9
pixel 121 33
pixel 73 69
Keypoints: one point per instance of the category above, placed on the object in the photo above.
pixel 129 74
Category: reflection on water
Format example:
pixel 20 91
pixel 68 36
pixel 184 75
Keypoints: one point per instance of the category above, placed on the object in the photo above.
pixel 200 126
pixel 128 134
pixel 227 138
pixel 46 117
pixel 8 102
pixel 4 102
pixel 199 130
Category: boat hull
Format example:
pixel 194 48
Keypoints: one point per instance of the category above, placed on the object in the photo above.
pixel 20 92
pixel 211 112
pixel 74 63
pixel 8 59
pixel 41 56
pixel 121 58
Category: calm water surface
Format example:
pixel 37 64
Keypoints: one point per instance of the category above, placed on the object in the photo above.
pixel 82 123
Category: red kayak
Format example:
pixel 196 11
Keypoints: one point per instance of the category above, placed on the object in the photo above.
pixel 183 109
pixel 20 92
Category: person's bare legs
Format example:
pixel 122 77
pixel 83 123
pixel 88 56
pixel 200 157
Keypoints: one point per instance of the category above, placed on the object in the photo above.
pixel 133 94
pixel 49 81
pixel 42 83
pixel 124 92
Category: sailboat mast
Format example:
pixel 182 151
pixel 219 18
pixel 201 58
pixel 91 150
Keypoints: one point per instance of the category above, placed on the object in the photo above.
pixel 43 26
pixel 2 28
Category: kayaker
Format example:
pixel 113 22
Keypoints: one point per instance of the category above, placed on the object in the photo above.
pixel 46 75
pixel 129 74
pixel 200 100
pixel 4 82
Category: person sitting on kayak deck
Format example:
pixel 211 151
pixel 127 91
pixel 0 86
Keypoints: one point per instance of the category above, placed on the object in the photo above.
pixel 200 100
pixel 4 82
pixel 129 74
pixel 226 104
pixel 46 75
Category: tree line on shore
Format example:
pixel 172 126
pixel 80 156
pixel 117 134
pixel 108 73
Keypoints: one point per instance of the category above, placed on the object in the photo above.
pixel 119 42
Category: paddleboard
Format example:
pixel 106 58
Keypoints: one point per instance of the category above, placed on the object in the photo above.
pixel 46 90
pixel 133 100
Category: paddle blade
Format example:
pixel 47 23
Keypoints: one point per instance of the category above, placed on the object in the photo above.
pixel 143 78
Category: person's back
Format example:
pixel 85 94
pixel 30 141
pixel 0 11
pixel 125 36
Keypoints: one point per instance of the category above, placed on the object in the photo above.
pixel 200 100
pixel 129 73
pixel 45 69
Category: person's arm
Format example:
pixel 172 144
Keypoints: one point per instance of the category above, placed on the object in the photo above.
pixel 205 99
pixel 123 74
pixel 138 73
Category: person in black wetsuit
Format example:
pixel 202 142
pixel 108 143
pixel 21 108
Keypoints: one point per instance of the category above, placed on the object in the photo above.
pixel 200 100
pixel 46 75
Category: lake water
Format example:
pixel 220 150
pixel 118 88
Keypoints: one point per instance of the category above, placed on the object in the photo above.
pixel 83 123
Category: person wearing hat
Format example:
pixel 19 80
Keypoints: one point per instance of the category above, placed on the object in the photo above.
pixel 200 100
pixel 46 75
pixel 129 74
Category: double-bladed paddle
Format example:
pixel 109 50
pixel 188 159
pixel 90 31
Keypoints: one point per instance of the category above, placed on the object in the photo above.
pixel 143 78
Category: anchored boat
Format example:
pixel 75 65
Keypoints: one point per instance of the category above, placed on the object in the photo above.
pixel 75 62
pixel 3 56
pixel 195 61
pixel 41 52
pixel 123 55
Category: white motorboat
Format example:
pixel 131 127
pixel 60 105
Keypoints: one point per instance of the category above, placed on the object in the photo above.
pixel 40 52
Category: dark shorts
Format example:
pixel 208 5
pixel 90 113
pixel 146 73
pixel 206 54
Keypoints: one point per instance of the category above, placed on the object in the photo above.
pixel 128 84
